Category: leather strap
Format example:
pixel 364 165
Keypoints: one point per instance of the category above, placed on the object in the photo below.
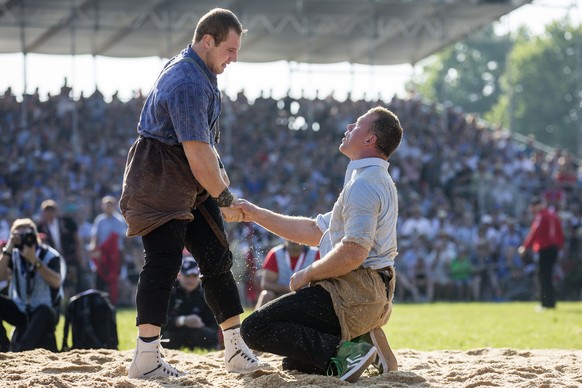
pixel 215 228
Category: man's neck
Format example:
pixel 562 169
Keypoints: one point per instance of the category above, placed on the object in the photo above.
pixel 199 50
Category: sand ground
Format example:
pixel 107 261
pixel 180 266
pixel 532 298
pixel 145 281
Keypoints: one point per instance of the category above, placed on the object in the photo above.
pixel 444 368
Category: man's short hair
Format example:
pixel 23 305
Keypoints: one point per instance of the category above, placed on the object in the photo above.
pixel 218 23
pixel 387 129
pixel 109 199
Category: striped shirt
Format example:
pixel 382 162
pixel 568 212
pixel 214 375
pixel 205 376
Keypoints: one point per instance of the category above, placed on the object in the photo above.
pixel 184 103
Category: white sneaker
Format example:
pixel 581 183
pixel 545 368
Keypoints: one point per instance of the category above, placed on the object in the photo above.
pixel 237 355
pixel 148 363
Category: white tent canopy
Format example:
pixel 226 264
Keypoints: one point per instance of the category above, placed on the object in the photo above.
pixel 376 32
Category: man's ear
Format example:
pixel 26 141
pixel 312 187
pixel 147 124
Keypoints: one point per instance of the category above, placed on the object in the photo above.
pixel 208 41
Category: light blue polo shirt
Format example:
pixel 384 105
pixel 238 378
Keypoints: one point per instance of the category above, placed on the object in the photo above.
pixel 365 213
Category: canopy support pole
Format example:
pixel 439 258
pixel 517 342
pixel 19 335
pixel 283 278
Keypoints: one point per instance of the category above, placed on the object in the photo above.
pixel 75 140
pixel 23 110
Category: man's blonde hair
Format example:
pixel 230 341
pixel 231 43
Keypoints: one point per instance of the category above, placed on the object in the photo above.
pixel 25 222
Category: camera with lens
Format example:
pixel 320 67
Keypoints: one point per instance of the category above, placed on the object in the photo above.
pixel 27 239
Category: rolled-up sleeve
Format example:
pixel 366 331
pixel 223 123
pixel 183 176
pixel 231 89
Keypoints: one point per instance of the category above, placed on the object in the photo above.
pixel 322 221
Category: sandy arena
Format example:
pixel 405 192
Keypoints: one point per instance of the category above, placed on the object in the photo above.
pixel 448 368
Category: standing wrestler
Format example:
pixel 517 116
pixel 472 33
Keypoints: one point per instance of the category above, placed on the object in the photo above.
pixel 175 194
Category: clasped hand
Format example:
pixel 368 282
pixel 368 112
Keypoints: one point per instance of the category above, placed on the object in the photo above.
pixel 231 213
pixel 240 210
pixel 249 212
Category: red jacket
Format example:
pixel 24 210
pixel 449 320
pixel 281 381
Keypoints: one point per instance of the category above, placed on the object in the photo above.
pixel 546 231
pixel 110 261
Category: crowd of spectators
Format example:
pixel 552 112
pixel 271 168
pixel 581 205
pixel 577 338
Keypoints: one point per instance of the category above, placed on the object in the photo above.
pixel 463 184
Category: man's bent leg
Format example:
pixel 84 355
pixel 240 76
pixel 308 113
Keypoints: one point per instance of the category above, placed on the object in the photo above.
pixel 301 325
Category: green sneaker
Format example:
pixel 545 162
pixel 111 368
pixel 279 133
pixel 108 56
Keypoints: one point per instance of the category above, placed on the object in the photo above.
pixel 385 360
pixel 351 360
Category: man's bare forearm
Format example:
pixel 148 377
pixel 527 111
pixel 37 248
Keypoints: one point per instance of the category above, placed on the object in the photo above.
pixel 204 165
pixel 302 230
pixel 344 258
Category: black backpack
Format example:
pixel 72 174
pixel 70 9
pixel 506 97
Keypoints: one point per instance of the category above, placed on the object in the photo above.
pixel 93 322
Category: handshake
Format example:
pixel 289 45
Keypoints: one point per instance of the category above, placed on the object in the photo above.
pixel 240 210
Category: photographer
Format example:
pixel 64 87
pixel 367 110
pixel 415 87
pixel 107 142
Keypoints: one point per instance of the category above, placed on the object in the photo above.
pixel 35 289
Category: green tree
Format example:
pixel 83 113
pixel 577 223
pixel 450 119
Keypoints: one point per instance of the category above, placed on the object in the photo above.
pixel 466 73
pixel 543 83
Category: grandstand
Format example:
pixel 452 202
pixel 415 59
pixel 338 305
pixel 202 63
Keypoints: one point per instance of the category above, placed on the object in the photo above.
pixel 463 171
pixel 465 180
pixel 372 32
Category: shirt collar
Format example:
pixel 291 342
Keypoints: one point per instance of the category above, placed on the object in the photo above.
pixel 188 52
pixel 361 163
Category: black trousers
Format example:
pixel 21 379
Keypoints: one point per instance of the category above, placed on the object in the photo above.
pixel 547 260
pixel 163 258
pixel 33 331
pixel 302 326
